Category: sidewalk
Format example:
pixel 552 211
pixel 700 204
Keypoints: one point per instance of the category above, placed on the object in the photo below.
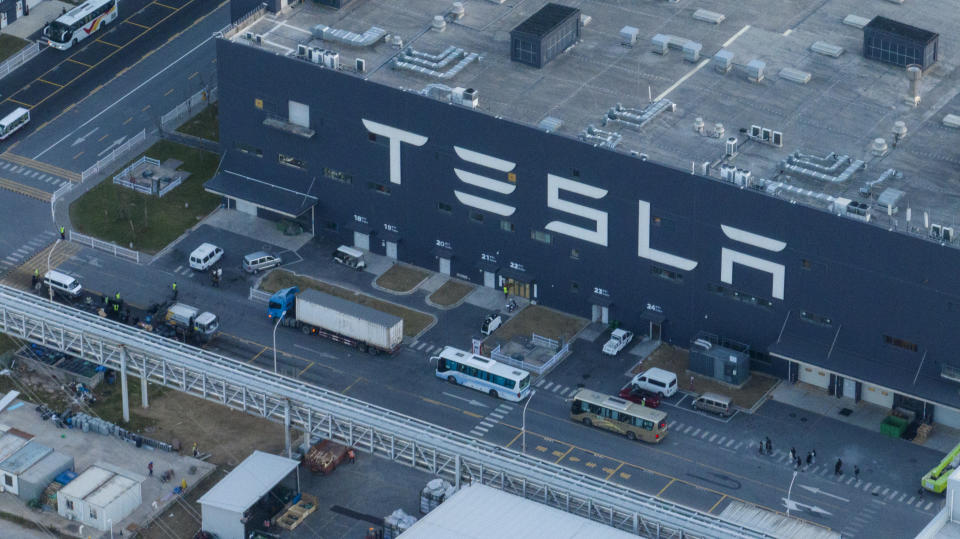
pixel 39 16
pixel 264 230
pixel 864 415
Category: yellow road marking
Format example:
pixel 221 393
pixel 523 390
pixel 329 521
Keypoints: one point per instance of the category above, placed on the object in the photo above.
pixel 12 100
pixel 564 454
pixel 311 365
pixel 541 449
pixel 515 438
pixel 716 504
pixel 574 459
pixel 351 384
pixel 140 25
pixel 78 155
pixel 195 73
pixel 77 62
pixel 103 137
pixel 665 487
pixel 166 6
pixel 50 83
pixel 613 471
pixel 145 109
pixel 624 475
pixel 108 43
pixel 128 120
pixel 473 415
pixel 264 349
pixel 170 91
pixel 591 465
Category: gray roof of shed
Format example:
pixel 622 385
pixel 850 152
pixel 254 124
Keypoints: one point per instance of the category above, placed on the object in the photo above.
pixel 24 458
pixel 349 307
pixel 248 482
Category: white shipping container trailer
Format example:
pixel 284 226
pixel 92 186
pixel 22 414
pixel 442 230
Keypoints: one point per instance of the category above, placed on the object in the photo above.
pixel 318 311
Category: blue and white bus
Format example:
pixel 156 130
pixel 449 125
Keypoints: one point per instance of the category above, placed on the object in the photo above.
pixel 78 23
pixel 483 374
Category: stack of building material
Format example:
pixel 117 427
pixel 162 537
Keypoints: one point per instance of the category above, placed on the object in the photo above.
pixel 325 456
pixel 397 523
pixel 297 511
pixel 434 493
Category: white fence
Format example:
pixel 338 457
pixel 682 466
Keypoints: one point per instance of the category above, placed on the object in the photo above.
pixel 128 172
pixel 125 177
pixel 259 295
pixel 112 248
pixel 57 195
pixel 19 59
pixel 539 370
pixel 170 186
pixel 188 108
pixel 147 190
pixel 545 342
pixel 113 155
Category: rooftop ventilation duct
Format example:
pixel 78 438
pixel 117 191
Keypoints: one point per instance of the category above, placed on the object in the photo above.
pixel 607 139
pixel 430 61
pixel 452 72
pixel 636 118
pixel 366 39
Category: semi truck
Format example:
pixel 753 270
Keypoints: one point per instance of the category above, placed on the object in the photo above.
pixel 188 321
pixel 337 319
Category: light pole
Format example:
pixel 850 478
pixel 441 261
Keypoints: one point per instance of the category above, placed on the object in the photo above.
pixel 284 313
pixel 110 523
pixel 523 422
pixel 50 288
pixel 789 490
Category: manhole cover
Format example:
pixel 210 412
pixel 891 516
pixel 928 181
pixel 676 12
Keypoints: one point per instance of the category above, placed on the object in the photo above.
pixel 845 411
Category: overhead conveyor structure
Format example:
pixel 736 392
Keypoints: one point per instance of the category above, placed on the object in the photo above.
pixel 327 414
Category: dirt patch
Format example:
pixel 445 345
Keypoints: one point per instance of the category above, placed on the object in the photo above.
pixel 413 321
pixel 540 320
pixel 402 278
pixel 677 360
pixel 450 293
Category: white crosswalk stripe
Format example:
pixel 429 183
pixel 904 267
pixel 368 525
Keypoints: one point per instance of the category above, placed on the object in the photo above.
pixel 721 440
pixel 34 174
pixel 548 386
pixel 850 480
pixel 6 166
pixel 885 491
pixel 696 432
pixel 421 345
pixel 712 438
pixel 919 502
pixel 45 178
pixel 496 415
pixel 671 424
pixel 487 423
pixel 540 382
pixel 704 435
pixel 556 388
pixel 686 430
pixel 929 505
pixel 564 392
pixel 867 486
pixel 902 496
pixel 894 495
pixel 910 501
pixel 431 349
pixel 730 442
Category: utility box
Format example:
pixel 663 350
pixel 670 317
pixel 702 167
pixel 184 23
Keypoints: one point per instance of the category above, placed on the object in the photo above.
pixel 722 359
pixel 546 34
pixel 900 44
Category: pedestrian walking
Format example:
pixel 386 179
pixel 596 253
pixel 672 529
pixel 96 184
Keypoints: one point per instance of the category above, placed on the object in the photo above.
pixel 769 446
pixel 195 452
pixel 838 468
pixel 797 463
pixel 813 454
pixel 36 277
pixel 183 485
pixel 150 468
pixel 352 456
pixel 809 458
pixel 856 472
pixel 174 288
pixel 793 453
pixel 760 449
pixel 63 234
pixel 691 383
pixel 506 293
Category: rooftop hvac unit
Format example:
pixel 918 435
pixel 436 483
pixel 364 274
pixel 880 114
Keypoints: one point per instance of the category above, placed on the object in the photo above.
pixel 731 146
pixel 628 35
pixel 765 134
pixel 946 233
pixel 742 177
pixel 465 96
pixel 361 65
pixel 302 51
pixel 935 231
pixel 728 172
pixel 248 35
pixel 755 131
pixel 259 38
pixel 777 139
pixel 331 59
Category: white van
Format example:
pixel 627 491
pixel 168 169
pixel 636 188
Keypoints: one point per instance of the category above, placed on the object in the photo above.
pixel 205 256
pixel 350 257
pixel 659 381
pixel 63 283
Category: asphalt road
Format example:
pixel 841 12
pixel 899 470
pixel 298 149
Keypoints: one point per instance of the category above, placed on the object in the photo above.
pixel 87 101
pixel 704 462
pixel 25 229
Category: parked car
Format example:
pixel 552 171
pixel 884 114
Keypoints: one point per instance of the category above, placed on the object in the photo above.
pixel 205 256
pixel 619 340
pixel 350 257
pixel 491 323
pixel 640 396
pixel 260 260
pixel 656 380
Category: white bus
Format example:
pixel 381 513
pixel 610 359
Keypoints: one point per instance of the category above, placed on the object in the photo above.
pixel 483 374
pixel 13 121
pixel 78 23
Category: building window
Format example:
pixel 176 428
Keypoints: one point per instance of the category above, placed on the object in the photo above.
pixel 445 208
pixel 541 236
pixel 8 479
pixel 93 513
pixel 664 273
pixel 476 216
pixel 248 149
pixel 378 187
pixel 733 293
pixel 814 318
pixel 507 226
pixel 900 343
pixel 70 505
pixel 574 286
pixel 292 161
pixel 336 175
pixel 574 254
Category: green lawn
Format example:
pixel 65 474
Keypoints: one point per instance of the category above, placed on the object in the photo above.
pixel 204 125
pixel 123 216
pixel 10 45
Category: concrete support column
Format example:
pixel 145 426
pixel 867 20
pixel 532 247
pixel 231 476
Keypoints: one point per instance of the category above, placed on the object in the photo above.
pixel 286 428
pixel 144 401
pixel 125 397
pixel 306 435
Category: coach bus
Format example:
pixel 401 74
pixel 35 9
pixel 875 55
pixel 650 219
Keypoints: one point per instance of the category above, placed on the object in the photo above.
pixel 78 23
pixel 618 415
pixel 13 121
pixel 483 374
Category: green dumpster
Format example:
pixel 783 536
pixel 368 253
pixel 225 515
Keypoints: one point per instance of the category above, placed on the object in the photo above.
pixel 893 426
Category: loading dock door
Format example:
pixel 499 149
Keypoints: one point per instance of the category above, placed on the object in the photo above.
pixel 814 376
pixel 877 395
pixel 361 241
pixel 489 279
pixel 444 265
pixel 392 249
pixel 849 388
pixel 600 314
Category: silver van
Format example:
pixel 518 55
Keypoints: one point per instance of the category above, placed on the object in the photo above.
pixel 714 402
pixel 260 260
pixel 62 283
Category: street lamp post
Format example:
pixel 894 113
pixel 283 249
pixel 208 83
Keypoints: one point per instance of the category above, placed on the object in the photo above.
pixel 284 313
pixel 110 523
pixel 523 422
pixel 789 490
pixel 49 254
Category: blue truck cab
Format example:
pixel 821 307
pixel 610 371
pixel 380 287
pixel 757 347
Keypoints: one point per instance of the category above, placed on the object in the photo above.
pixel 282 302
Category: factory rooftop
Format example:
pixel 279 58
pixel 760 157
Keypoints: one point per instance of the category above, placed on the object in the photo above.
pixel 819 99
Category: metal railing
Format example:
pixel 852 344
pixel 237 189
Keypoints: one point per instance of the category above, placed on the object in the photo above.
pixel 545 342
pixel 112 248
pixel 259 295
pixel 20 58
pixel 170 186
pixel 113 155
pixel 538 369
pixel 331 415
pixel 188 108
